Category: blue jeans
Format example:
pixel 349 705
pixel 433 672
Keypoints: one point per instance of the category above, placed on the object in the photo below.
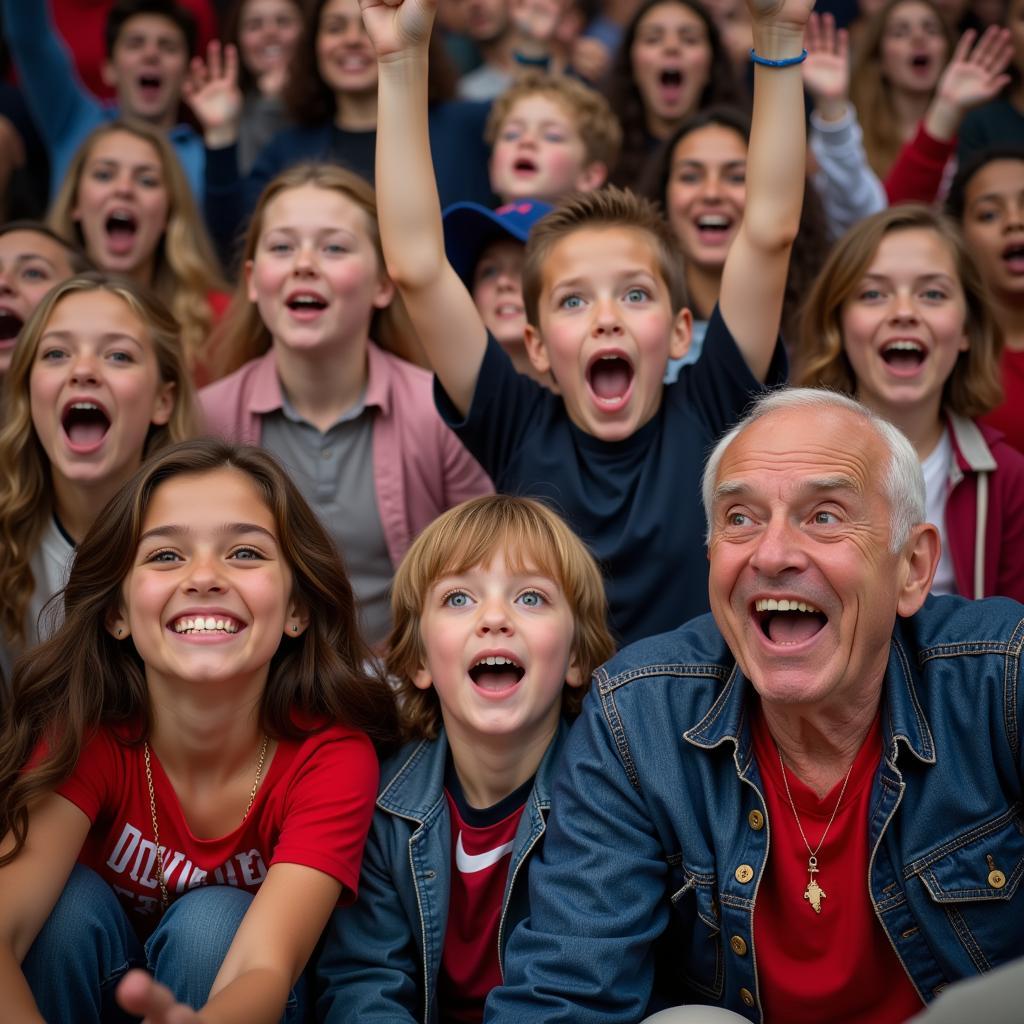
pixel 87 945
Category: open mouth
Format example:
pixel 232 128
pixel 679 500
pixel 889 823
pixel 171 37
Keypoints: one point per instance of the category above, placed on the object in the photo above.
pixel 714 227
pixel 496 672
pixel 788 621
pixel 1013 256
pixel 904 356
pixel 671 78
pixel 305 303
pixel 508 310
pixel 920 62
pixel 85 424
pixel 199 625
pixel 610 377
pixel 150 85
pixel 10 325
pixel 524 165
pixel 121 227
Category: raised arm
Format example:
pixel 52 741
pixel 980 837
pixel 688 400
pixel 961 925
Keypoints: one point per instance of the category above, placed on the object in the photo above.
pixel 442 311
pixel 754 277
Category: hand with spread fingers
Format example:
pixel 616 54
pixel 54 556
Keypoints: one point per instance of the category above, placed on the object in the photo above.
pixel 211 91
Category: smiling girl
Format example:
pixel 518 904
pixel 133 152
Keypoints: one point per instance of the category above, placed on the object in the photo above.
pixel 97 381
pixel 196 738
pixel 899 318
pixel 355 425
pixel 125 200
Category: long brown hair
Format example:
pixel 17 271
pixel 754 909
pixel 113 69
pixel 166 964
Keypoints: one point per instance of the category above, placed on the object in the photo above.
pixel 871 92
pixel 974 386
pixel 83 678
pixel 185 269
pixel 242 335
pixel 26 486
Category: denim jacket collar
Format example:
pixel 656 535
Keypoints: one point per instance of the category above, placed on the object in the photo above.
pixel 416 786
pixel 903 719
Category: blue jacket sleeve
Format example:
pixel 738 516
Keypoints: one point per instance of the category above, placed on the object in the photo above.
pixel 586 952
pixel 370 968
pixel 57 100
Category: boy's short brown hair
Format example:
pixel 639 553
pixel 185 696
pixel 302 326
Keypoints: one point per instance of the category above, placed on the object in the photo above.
pixel 605 208
pixel 532 537
pixel 597 125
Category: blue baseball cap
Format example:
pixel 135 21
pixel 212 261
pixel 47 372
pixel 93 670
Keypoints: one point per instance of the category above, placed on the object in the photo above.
pixel 469 227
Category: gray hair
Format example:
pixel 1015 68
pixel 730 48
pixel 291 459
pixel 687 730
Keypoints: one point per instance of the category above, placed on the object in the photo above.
pixel 903 480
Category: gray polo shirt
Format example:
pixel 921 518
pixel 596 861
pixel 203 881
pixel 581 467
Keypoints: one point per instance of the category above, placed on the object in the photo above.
pixel 334 471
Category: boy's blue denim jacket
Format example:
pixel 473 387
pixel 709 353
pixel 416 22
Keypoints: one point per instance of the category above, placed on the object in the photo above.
pixel 382 956
pixel 658 835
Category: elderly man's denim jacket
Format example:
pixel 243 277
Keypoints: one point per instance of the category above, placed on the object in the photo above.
pixel 658 834
pixel 382 956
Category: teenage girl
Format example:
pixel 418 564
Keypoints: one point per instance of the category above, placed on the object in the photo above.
pixel 186 778
pixel 266 34
pixel 126 201
pixel 699 177
pixel 355 425
pixel 987 200
pixel 899 319
pixel 97 382
pixel 331 98
pixel 671 63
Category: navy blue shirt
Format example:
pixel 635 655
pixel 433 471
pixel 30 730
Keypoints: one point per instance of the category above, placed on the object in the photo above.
pixel 635 502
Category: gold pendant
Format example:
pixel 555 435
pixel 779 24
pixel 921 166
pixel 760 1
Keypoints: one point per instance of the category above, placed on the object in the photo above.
pixel 814 893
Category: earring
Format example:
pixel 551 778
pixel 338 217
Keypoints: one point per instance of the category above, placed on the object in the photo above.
pixel 119 630
pixel 295 627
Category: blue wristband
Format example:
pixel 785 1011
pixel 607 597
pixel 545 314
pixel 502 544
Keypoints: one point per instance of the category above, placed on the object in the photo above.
pixel 769 63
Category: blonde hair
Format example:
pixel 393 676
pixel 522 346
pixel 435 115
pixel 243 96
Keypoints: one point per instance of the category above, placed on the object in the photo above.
pixel 531 537
pixel 871 92
pixel 26 486
pixel 185 268
pixel 608 207
pixel 242 335
pixel 974 385
pixel 598 127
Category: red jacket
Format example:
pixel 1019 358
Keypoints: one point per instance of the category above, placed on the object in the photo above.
pixel 985 511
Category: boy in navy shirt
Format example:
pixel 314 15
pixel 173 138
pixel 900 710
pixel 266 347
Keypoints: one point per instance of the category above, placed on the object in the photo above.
pixel 617 452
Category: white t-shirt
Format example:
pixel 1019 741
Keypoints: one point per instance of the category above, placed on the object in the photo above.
pixel 936 487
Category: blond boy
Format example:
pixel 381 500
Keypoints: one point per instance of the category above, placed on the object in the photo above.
pixel 550 136
pixel 616 451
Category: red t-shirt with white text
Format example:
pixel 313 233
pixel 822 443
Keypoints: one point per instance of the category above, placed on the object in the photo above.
pixel 313 808
pixel 837 965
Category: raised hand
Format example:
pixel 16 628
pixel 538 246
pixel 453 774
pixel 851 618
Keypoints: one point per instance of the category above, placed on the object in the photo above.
pixel 398 27
pixel 789 15
pixel 211 90
pixel 826 70
pixel 139 993
pixel 975 74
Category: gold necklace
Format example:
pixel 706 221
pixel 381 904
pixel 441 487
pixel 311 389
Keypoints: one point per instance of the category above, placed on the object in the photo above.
pixel 814 893
pixel 160 877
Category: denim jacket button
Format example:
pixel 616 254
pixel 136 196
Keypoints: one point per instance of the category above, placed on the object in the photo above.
pixel 738 945
pixel 996 879
pixel 744 873
pixel 747 996
pixel 755 819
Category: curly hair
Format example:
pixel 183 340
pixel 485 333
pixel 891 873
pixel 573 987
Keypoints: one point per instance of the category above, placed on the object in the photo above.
pixel 625 99
pixel 531 536
pixel 871 92
pixel 82 677
pixel 26 486
pixel 974 385
pixel 185 268
pixel 598 127
pixel 241 335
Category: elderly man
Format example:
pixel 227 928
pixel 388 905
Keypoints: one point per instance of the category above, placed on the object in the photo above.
pixel 810 801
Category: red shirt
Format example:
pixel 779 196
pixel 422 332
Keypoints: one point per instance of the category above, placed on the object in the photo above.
pixel 313 808
pixel 481 854
pixel 1009 417
pixel 837 965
